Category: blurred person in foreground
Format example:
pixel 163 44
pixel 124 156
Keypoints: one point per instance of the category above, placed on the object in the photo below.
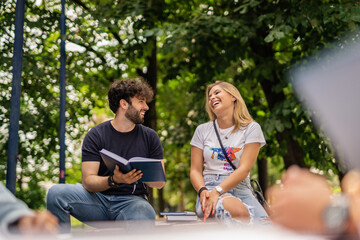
pixel 16 217
pixel 106 195
pixel 304 202
pixel 224 189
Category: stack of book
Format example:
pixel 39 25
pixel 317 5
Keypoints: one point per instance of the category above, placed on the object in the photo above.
pixel 179 216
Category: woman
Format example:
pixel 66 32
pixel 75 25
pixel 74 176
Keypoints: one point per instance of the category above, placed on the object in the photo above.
pixel 223 191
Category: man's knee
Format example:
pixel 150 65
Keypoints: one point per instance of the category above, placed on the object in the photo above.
pixel 142 210
pixel 53 193
pixel 57 194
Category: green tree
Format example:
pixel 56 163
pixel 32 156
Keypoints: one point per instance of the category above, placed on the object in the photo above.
pixel 178 46
pixel 253 44
pixel 39 120
pixel 105 41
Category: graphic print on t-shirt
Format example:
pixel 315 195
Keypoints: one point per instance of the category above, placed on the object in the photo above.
pixel 220 156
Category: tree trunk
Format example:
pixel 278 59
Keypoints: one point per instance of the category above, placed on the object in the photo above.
pixel 263 174
pixel 181 184
pixel 294 154
pixel 151 77
pixel 264 53
pixel 150 117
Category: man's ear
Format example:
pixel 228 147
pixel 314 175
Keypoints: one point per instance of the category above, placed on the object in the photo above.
pixel 123 104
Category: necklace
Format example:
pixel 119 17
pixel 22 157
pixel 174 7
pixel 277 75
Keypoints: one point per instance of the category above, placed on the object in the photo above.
pixel 225 133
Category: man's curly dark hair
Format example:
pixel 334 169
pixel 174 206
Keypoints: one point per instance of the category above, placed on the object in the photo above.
pixel 126 89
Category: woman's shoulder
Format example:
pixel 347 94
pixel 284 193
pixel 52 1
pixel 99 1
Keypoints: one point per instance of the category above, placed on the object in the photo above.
pixel 251 127
pixel 205 126
pixel 253 124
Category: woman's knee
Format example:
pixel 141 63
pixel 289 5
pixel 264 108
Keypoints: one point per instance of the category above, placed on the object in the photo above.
pixel 236 208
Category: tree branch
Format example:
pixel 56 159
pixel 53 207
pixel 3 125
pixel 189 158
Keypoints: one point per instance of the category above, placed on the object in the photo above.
pixel 90 49
pixel 114 33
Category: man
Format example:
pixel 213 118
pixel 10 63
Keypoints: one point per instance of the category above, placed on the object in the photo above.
pixel 15 216
pixel 106 195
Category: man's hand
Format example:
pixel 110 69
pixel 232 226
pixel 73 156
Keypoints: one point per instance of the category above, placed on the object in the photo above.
pixel 43 222
pixel 299 203
pixel 129 178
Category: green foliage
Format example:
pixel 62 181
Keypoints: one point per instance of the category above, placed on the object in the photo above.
pixel 39 112
pixel 261 40
pixel 251 43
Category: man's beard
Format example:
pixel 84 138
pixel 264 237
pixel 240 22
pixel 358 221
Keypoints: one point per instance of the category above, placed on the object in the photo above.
pixel 133 115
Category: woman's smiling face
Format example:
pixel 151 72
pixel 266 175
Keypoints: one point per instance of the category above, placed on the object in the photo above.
pixel 219 99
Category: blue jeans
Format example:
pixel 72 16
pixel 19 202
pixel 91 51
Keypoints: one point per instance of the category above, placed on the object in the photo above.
pixel 64 200
pixel 242 191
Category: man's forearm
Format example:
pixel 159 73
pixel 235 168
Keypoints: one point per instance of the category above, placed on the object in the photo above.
pixel 95 183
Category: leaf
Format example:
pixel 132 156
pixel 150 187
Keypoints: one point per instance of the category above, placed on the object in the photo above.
pixel 279 126
pixel 269 38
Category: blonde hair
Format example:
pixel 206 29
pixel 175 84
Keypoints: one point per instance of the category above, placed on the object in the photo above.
pixel 241 116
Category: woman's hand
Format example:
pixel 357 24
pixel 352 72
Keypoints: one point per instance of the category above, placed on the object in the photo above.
pixel 210 204
pixel 204 195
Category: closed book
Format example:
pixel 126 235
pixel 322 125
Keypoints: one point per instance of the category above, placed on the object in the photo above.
pixel 180 216
pixel 152 169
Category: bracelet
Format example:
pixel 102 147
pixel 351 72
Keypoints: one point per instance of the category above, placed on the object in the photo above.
pixel 202 189
pixel 111 181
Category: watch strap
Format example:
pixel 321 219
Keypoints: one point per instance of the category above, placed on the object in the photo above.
pixel 201 189
pixel 111 181
pixel 336 214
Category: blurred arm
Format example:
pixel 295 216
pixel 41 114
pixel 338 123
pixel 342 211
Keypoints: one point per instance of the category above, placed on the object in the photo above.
pixel 299 204
pixel 11 208
pixel 16 216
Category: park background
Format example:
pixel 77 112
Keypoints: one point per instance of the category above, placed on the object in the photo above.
pixel 178 46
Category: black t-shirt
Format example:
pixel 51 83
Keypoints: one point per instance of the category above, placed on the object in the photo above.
pixel 140 142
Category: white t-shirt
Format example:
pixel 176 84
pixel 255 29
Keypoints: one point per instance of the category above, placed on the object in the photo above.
pixel 234 143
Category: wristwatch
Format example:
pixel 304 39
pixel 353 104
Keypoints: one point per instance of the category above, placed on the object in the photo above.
pixel 219 189
pixel 111 182
pixel 336 214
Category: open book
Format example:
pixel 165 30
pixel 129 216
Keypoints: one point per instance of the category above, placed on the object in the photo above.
pixel 152 169
pixel 179 216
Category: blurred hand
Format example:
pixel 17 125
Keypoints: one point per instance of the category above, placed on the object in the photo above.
pixel 299 202
pixel 43 222
pixel 350 185
pixel 129 178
